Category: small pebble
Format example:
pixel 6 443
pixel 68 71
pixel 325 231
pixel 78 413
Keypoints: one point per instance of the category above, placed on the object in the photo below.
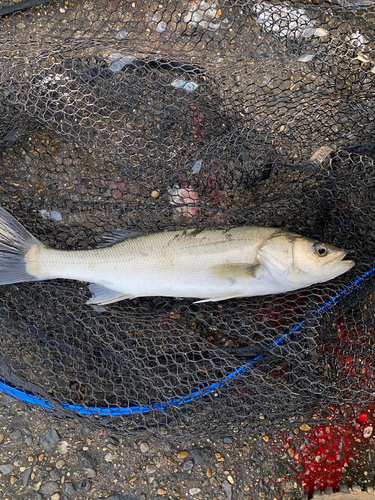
pixel 54 475
pixel 26 476
pixel 90 472
pixel 21 26
pixel 69 489
pixel 37 486
pixel 150 469
pixel 109 457
pixel 182 454
pixel 161 27
pixel 188 465
pixel 228 440
pixel 122 34
pixel 227 488
pixel 49 440
pixel 209 472
pixel 367 431
pixel 196 169
pixel 144 446
pixel 49 488
pixel 171 460
pixel 15 434
pixel 60 464
pixel 13 480
pixel 230 479
pixel 63 447
pixel 56 496
pixel 194 491
pixel 162 491
pixel 306 57
pixel 155 194
pixel 6 469
pixel 304 427
pixel 28 441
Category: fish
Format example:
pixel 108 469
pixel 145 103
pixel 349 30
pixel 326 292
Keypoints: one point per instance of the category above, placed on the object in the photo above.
pixel 205 264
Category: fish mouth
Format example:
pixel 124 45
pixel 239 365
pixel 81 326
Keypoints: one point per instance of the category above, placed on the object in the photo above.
pixel 343 265
pixel 339 257
pixel 348 263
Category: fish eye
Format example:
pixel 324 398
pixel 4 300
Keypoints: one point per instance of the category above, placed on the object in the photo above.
pixel 320 249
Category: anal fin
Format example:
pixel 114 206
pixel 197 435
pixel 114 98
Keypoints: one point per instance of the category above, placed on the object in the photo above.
pixel 103 296
pixel 218 298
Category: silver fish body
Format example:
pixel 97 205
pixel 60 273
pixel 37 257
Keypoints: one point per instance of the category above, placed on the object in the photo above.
pixel 210 264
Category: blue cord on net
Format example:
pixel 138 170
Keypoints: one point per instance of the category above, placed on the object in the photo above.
pixel 199 393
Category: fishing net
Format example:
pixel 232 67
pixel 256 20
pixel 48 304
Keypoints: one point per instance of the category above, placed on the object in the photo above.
pixel 154 116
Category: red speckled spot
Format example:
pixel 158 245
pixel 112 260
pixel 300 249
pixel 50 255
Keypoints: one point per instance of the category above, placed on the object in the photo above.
pixel 117 193
pixel 121 186
pixel 321 457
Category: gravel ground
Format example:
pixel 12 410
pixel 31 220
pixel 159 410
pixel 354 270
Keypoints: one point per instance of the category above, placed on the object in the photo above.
pixel 43 457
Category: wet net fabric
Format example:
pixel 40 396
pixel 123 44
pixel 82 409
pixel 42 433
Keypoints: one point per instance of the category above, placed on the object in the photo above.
pixel 151 116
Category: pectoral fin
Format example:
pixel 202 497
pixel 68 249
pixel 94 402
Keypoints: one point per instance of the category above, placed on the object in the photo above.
pixel 218 298
pixel 233 272
pixel 102 295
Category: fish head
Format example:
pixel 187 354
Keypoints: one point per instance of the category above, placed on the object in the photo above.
pixel 294 259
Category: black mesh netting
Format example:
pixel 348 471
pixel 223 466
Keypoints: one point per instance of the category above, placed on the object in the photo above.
pixel 269 121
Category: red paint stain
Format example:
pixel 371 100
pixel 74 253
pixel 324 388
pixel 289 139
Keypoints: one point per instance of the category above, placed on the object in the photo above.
pixel 321 455
pixel 320 458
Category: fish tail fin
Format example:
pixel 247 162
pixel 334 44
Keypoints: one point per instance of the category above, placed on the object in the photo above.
pixel 15 243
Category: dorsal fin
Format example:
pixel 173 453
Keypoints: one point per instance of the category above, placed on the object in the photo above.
pixel 116 235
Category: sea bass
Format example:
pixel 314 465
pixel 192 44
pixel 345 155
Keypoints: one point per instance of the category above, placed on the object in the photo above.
pixel 206 264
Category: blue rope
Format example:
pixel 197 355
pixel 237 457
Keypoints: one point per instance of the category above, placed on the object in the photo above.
pixel 28 397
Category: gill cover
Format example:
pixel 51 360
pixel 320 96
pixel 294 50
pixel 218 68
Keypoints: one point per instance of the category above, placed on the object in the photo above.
pixel 277 256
